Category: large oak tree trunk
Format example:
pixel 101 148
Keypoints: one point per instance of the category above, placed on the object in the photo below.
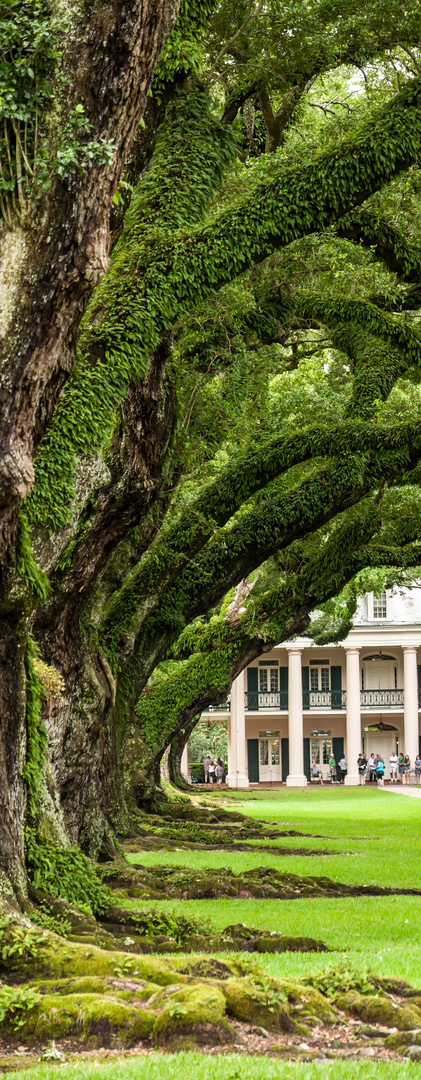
pixel 85 742
pixel 47 272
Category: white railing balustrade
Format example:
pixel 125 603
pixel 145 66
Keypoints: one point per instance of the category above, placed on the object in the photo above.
pixel 383 699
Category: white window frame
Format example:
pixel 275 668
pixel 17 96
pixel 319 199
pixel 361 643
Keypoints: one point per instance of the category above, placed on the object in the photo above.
pixel 268 671
pixel 382 618
pixel 318 668
pixel 320 737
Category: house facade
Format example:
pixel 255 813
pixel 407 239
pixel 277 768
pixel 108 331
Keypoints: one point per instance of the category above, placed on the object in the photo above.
pixel 299 702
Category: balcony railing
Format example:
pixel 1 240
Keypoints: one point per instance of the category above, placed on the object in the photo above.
pixel 325 699
pixel 385 699
pixel 270 699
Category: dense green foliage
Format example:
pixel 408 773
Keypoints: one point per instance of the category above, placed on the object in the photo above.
pixel 28 52
pixel 211 738
pixel 66 873
pixel 36 732
pixel 263 297
pixel 155 278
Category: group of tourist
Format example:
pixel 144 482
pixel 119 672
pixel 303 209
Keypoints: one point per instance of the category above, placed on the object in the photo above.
pixel 371 769
pixel 214 770
pixel 399 765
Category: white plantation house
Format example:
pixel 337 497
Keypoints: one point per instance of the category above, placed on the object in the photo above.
pixel 299 702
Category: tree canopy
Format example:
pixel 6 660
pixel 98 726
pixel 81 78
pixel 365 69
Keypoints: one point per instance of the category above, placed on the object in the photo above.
pixel 211 270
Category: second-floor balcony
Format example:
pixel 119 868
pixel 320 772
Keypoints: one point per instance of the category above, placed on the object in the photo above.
pixel 324 699
pixel 267 699
pixel 381 699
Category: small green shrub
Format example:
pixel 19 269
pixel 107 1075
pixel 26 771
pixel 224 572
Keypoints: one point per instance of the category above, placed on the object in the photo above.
pixel 14 1002
pixel 46 918
pixel 66 873
pixel 338 979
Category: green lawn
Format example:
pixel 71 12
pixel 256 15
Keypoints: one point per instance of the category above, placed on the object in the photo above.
pixel 373 836
pixel 202 1067
pixel 377 835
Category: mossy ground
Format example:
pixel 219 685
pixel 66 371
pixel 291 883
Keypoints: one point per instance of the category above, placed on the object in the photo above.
pixel 91 997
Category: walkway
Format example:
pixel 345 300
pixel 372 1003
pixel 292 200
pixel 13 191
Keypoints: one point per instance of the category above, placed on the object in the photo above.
pixel 403 790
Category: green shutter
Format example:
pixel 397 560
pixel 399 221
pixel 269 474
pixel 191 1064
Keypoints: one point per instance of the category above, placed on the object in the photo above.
pixel 419 686
pixel 306 687
pixel 338 748
pixel 252 688
pixel 307 757
pixel 253 760
pixel 283 687
pixel 336 687
pixel 285 758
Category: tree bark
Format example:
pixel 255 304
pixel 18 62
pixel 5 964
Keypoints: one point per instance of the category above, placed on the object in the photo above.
pixel 84 740
pixel 47 273
pixel 13 637
pixel 65 252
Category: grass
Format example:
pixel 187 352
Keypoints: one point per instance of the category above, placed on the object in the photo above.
pixel 367 831
pixel 194 1066
pixel 373 839
pixel 383 835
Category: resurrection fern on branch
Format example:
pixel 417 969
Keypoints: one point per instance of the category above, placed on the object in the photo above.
pixel 36 734
pixel 157 275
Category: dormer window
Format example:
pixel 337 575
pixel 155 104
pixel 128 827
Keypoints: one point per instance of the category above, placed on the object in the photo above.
pixel 380 606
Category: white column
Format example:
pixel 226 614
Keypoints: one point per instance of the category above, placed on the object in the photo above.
pixel 296 777
pixel 184 764
pixel 353 715
pixel 237 776
pixel 410 702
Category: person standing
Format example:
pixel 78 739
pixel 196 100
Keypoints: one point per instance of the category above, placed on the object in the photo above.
pixel 206 764
pixel 380 772
pixel 219 771
pixel 401 767
pixel 406 779
pixel 212 772
pixel 417 769
pixel 332 767
pixel 372 768
pixel 362 768
pixel 343 769
pixel 393 762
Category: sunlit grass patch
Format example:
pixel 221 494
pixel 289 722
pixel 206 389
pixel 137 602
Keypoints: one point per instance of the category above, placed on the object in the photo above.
pixel 366 830
pixel 196 1066
pixel 357 924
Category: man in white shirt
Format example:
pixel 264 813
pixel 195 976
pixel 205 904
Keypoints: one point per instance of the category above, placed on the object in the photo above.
pixel 393 762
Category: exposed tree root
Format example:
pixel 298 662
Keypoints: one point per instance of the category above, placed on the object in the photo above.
pixel 185 826
pixel 102 985
pixel 163 882
pixel 88 998
pixel 149 931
